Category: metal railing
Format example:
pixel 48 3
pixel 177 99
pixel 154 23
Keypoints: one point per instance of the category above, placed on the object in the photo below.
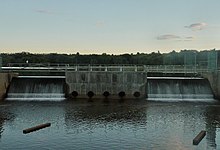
pixel 143 68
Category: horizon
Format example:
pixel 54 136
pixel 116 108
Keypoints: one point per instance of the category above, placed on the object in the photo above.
pixel 41 53
pixel 111 27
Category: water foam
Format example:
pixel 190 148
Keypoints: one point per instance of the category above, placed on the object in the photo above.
pixel 179 89
pixel 37 88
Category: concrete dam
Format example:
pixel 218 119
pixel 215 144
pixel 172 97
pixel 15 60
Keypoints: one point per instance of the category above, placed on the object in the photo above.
pixel 78 85
pixel 102 84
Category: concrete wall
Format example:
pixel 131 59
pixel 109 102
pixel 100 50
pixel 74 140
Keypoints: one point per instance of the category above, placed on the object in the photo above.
pixel 114 82
pixel 214 80
pixel 5 79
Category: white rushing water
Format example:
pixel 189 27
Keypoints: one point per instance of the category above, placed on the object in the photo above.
pixel 40 88
pixel 179 89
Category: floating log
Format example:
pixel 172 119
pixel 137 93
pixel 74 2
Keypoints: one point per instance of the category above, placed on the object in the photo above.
pixel 41 126
pixel 199 137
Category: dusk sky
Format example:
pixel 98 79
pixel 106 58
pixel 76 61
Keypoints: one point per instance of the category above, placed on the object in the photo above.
pixel 108 26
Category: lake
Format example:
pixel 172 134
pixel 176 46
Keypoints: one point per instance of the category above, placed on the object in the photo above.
pixel 109 124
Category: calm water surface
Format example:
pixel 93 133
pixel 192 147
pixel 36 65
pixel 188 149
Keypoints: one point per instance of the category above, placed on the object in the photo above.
pixel 133 124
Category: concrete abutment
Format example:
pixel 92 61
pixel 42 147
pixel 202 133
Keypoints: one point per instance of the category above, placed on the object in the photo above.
pixel 5 79
pixel 214 80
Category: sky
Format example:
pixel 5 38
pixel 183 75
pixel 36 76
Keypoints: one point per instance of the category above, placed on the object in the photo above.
pixel 108 26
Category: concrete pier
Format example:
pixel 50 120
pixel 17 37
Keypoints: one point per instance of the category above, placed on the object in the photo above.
pixel 5 79
pixel 102 84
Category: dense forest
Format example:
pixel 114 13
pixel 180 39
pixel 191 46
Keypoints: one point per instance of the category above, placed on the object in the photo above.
pixel 154 58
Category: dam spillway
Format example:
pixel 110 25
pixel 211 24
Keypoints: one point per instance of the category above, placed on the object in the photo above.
pixel 54 88
pixel 37 88
pixel 179 89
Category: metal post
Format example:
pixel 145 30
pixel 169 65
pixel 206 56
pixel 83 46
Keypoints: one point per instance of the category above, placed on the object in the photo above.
pixel 0 63
pixel 136 68
pixel 89 67
pixel 195 62
pixel 184 62
pixel 145 68
pixel 216 60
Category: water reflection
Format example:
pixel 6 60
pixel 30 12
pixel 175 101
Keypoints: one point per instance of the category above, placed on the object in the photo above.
pixel 186 120
pixel 105 114
pixel 1 124
pixel 5 116
pixel 212 123
pixel 134 124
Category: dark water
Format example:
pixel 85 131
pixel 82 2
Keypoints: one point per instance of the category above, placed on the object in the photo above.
pixel 133 124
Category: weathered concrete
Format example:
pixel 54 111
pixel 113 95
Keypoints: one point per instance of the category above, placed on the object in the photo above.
pixel 100 83
pixel 214 80
pixel 5 79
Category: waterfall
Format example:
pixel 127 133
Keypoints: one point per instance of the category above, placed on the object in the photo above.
pixel 39 88
pixel 185 89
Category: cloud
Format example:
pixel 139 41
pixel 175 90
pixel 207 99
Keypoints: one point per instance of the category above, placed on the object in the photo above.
pixel 43 11
pixel 190 37
pixel 176 38
pixel 100 24
pixel 168 37
pixel 197 26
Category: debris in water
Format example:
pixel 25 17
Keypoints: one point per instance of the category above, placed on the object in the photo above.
pixel 41 126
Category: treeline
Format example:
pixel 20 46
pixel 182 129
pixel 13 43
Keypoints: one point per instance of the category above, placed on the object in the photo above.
pixel 72 59
pixel 154 58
